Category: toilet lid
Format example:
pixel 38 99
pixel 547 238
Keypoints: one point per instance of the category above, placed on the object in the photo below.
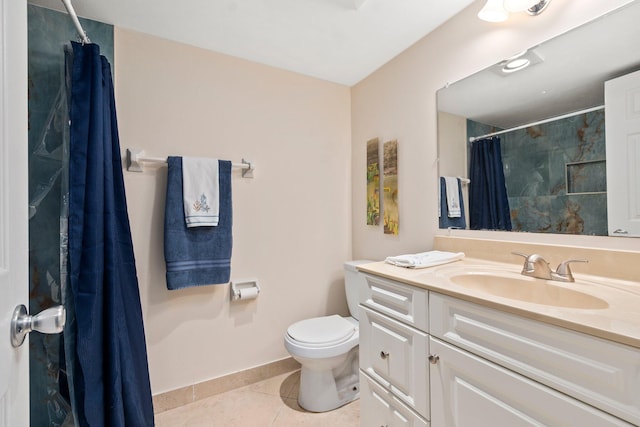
pixel 326 330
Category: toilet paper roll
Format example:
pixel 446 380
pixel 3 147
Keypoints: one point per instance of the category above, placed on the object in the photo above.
pixel 248 293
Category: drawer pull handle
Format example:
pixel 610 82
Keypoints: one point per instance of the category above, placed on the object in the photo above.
pixel 384 354
pixel 433 359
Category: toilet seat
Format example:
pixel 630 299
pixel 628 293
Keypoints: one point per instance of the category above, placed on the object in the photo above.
pixel 322 331
pixel 323 337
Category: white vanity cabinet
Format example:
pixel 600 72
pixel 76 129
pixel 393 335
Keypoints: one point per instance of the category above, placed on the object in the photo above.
pixel 394 370
pixel 380 407
pixel 498 369
pixel 427 359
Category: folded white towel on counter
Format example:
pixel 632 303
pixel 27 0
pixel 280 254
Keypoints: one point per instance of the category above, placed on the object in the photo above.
pixel 200 192
pixel 424 259
pixel 452 185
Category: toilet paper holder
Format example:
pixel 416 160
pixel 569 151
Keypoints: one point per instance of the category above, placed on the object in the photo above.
pixel 244 289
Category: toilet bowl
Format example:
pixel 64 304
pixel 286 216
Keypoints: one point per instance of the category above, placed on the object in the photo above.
pixel 327 349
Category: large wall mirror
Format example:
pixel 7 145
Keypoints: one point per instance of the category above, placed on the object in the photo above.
pixel 550 118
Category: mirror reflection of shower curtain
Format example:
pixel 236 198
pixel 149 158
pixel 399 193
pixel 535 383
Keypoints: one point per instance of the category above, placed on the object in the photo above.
pixel 488 202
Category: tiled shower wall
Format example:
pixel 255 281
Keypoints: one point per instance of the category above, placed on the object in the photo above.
pixel 556 174
pixel 48 132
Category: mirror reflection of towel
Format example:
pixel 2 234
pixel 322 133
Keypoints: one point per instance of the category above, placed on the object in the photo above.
pixel 445 220
pixel 452 190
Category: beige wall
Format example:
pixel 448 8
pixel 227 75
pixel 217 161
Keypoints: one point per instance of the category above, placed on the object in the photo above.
pixel 452 161
pixel 399 101
pixel 296 222
pixel 292 222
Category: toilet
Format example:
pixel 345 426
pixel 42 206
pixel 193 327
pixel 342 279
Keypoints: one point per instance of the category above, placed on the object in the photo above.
pixel 327 349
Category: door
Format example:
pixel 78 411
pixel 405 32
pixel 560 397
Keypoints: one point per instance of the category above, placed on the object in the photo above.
pixel 622 109
pixel 14 363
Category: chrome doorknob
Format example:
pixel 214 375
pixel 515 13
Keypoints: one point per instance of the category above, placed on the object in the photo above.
pixel 49 321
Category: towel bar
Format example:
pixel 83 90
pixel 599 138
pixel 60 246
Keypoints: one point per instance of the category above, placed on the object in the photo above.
pixel 136 159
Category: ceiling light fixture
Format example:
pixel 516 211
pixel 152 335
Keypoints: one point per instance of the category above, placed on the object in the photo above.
pixel 519 5
pixel 538 8
pixel 498 10
pixel 493 11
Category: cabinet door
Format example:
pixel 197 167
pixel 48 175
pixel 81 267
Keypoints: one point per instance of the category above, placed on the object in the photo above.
pixel 395 355
pixel 468 391
pixel 598 372
pixel 381 408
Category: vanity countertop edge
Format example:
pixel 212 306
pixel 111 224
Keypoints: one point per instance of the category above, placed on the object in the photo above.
pixel 619 322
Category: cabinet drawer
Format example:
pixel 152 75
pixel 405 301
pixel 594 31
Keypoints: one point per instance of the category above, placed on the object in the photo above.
pixel 395 355
pixel 379 407
pixel 470 391
pixel 398 300
pixel 599 372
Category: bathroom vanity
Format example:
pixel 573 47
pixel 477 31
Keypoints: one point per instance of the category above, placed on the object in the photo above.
pixel 475 343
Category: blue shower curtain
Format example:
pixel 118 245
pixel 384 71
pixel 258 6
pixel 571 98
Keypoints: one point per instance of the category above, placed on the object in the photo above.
pixel 488 202
pixel 110 376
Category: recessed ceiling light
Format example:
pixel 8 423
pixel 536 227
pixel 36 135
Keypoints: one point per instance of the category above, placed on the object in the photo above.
pixel 517 62
pixel 515 65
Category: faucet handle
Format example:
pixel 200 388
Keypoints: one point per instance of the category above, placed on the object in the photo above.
pixel 530 259
pixel 525 256
pixel 535 265
pixel 527 263
pixel 564 269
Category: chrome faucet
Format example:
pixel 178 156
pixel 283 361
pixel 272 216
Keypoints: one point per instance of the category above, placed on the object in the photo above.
pixel 536 266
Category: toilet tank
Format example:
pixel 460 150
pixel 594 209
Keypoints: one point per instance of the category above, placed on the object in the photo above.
pixel 352 281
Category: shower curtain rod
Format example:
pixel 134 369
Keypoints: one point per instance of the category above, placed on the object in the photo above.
pixel 551 119
pixel 76 22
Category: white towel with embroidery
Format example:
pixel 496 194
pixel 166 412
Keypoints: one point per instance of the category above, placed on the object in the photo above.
pixel 200 191
pixel 452 188
pixel 424 259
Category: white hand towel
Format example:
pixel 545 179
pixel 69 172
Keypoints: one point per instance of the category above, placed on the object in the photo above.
pixel 453 196
pixel 424 259
pixel 200 192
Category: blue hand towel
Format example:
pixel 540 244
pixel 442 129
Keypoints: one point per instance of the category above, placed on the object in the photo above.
pixel 202 255
pixel 445 220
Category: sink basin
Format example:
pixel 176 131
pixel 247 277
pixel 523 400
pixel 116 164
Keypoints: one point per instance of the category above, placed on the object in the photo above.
pixel 527 289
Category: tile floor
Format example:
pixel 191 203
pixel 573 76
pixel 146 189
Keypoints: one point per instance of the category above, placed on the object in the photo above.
pixel 269 403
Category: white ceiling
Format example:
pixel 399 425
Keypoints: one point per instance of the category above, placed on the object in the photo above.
pixel 342 41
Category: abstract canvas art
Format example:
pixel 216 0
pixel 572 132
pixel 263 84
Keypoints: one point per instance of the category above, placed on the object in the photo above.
pixel 390 187
pixel 373 183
